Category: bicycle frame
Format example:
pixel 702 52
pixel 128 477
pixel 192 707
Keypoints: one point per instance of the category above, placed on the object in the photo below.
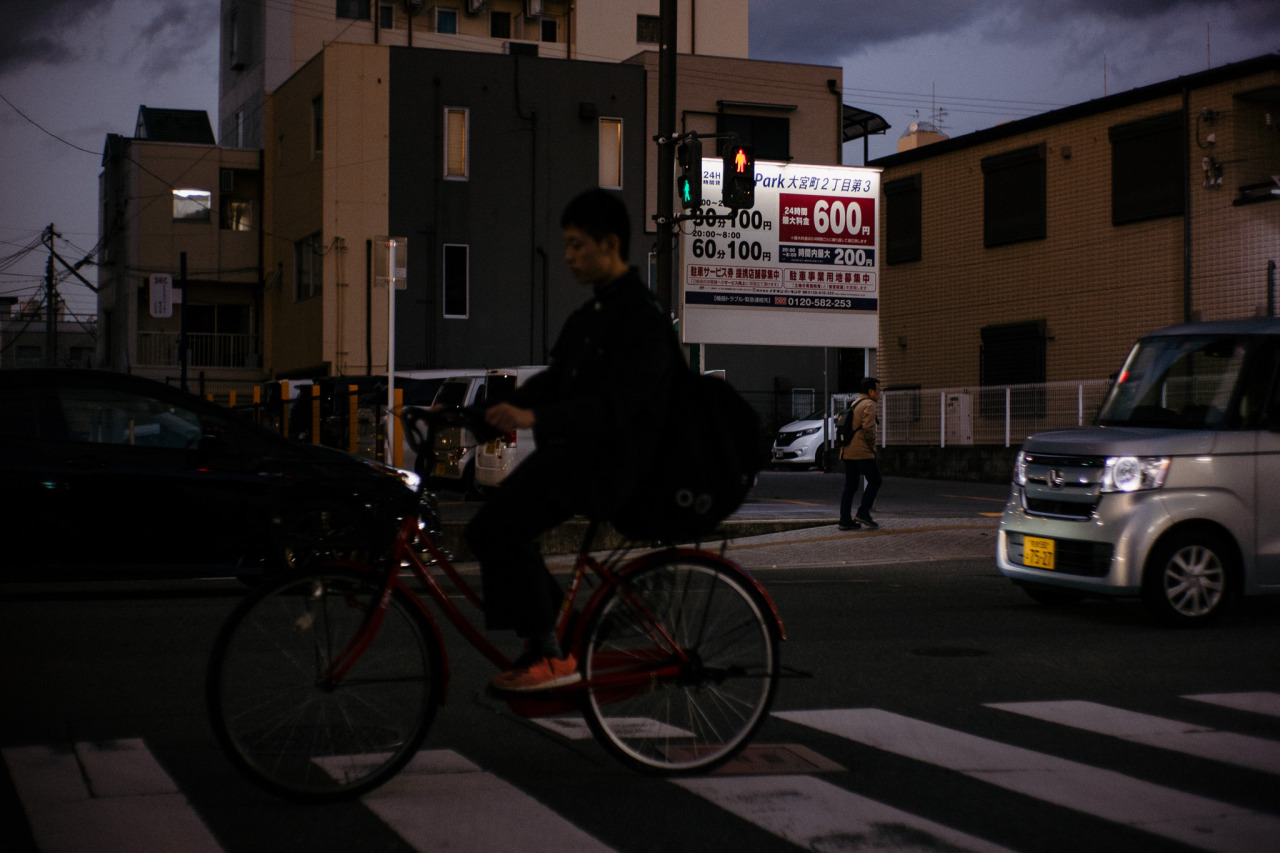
pixel 403 554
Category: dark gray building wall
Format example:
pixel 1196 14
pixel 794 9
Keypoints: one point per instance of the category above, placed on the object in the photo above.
pixel 532 148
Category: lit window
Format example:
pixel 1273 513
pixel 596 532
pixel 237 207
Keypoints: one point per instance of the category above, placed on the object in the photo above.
pixel 611 153
pixel 455 143
pixel 192 205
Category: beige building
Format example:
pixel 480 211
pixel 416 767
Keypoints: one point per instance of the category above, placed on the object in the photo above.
pixel 263 44
pixel 168 196
pixel 1036 251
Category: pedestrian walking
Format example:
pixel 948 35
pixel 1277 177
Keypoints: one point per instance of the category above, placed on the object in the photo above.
pixel 859 456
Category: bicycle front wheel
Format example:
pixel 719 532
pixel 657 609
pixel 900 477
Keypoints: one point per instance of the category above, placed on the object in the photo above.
pixel 281 714
pixel 682 663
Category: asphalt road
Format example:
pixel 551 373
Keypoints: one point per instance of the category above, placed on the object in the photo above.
pixel 928 705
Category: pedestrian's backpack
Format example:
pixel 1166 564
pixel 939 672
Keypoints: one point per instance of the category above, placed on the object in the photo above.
pixel 710 454
pixel 844 426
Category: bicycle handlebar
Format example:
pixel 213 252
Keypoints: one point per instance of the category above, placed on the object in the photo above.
pixel 420 424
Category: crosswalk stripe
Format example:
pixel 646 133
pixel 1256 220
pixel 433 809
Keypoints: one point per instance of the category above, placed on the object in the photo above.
pixel 817 815
pixel 1242 750
pixel 442 801
pixel 110 795
pixel 1187 818
pixel 1259 703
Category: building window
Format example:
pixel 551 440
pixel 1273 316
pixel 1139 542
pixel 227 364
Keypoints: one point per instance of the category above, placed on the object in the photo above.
pixel 500 25
pixel 648 29
pixel 233 40
pixel 387 16
pixel 447 21
pixel 354 10
pixel 1012 354
pixel 548 30
pixel 1148 169
pixel 239 131
pixel 237 214
pixel 192 205
pixel 317 125
pixel 611 153
pixel 457 275
pixel 456 140
pixel 903 228
pixel 770 136
pixel 307 255
pixel 1013 202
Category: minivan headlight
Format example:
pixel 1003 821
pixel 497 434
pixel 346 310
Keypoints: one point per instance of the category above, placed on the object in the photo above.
pixel 1134 473
pixel 810 430
pixel 1020 469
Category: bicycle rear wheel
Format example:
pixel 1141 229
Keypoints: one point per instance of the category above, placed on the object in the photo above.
pixel 682 662
pixel 291 727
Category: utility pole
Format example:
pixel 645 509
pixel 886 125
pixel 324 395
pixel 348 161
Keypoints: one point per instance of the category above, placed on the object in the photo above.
pixel 50 306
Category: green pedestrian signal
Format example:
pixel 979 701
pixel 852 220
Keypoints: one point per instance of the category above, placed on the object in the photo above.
pixel 689 181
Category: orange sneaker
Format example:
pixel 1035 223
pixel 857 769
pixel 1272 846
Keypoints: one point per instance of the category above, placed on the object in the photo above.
pixel 538 674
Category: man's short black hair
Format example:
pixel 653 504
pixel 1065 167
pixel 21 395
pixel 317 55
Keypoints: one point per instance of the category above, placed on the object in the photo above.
pixel 600 213
pixel 869 383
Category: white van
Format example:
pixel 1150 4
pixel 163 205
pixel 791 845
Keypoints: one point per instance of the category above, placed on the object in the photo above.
pixel 499 456
pixel 455 447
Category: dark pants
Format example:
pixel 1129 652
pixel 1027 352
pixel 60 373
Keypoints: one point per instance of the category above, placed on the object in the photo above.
pixel 854 471
pixel 519 592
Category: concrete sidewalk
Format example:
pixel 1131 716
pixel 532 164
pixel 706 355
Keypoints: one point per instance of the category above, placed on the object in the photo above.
pixel 795 543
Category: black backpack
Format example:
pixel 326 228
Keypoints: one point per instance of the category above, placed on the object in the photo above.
pixel 710 454
pixel 844 426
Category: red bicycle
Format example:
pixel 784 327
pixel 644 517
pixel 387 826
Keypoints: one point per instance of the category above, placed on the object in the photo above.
pixel 323 684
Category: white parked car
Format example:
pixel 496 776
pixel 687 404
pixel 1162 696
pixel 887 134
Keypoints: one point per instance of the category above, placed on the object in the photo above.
pixel 498 457
pixel 800 442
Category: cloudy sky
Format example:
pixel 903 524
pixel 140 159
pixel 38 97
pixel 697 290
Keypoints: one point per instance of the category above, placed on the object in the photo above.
pixel 72 71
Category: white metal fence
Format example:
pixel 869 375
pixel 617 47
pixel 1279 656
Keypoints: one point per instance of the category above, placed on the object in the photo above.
pixel 989 414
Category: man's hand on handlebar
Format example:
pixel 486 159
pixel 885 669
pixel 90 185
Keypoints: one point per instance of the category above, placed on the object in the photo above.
pixel 507 417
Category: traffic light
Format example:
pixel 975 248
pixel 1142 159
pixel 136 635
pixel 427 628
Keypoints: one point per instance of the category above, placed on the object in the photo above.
pixel 689 181
pixel 739 182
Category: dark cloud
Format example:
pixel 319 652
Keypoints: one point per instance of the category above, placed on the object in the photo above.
pixel 51 32
pixel 32 31
pixel 825 31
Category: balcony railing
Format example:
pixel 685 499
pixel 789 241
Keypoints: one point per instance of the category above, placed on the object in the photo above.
pixel 204 349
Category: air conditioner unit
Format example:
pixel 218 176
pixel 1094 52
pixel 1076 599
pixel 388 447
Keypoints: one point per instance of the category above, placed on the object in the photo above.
pixel 474 6
pixel 533 8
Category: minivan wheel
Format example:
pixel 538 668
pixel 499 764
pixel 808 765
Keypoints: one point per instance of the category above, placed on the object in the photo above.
pixel 1185 584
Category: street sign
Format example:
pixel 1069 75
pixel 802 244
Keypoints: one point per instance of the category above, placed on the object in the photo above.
pixel 801 268
pixel 160 295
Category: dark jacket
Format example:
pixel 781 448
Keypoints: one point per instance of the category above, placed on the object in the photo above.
pixel 602 399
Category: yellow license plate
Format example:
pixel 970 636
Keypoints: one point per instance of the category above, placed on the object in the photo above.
pixel 1037 553
pixel 492 446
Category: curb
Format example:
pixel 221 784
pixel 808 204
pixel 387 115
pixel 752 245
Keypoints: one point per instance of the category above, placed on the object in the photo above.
pixel 567 538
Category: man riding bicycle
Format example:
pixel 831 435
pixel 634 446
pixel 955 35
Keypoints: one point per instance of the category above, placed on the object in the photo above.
pixel 595 413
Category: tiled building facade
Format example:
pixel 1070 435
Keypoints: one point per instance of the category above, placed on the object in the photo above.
pixel 1036 251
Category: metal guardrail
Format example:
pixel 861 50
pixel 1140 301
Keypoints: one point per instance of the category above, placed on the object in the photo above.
pixel 1001 415
pixel 204 349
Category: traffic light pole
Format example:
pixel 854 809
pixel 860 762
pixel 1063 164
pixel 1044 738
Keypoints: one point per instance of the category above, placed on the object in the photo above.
pixel 666 245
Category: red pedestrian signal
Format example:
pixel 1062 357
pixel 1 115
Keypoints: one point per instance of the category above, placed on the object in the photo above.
pixel 738 184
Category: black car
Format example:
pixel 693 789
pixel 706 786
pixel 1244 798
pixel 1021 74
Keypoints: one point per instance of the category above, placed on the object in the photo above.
pixel 111 475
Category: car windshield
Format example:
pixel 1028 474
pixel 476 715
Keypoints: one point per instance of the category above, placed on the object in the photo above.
pixel 812 416
pixel 1176 382
pixel 452 395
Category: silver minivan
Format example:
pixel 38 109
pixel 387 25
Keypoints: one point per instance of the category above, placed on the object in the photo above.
pixel 1174 495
